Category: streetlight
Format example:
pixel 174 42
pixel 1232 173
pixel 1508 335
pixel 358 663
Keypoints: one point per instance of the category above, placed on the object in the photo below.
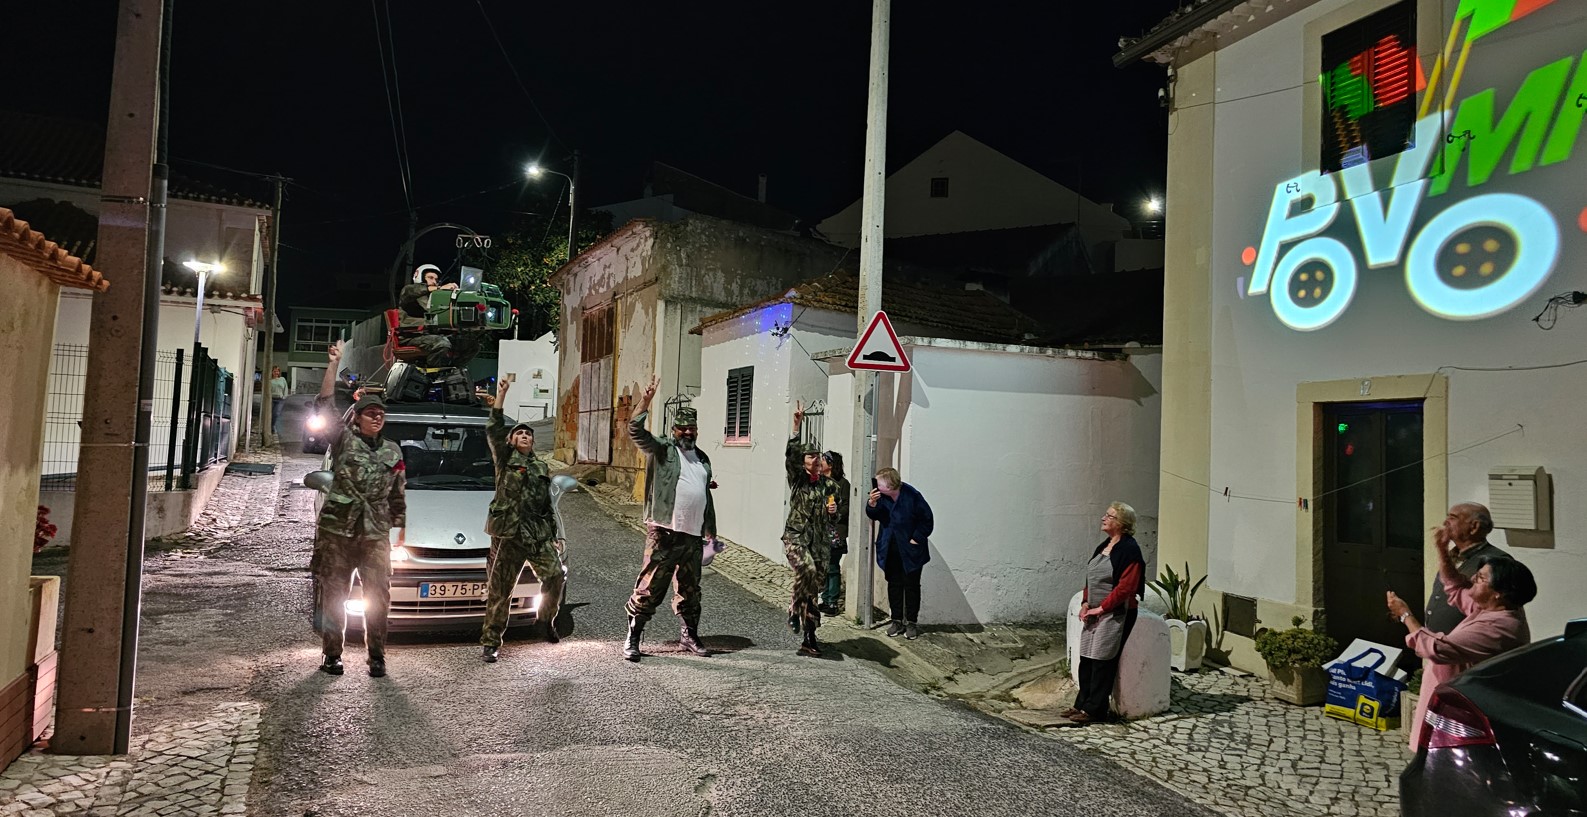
pixel 1154 206
pixel 204 269
pixel 535 171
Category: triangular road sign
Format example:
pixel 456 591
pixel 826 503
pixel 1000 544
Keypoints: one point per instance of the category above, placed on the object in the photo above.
pixel 879 351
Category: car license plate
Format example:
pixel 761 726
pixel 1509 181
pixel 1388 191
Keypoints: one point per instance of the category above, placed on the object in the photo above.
pixel 451 590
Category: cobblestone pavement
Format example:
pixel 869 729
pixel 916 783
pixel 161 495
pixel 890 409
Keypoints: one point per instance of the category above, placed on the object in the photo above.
pixel 193 768
pixel 1224 742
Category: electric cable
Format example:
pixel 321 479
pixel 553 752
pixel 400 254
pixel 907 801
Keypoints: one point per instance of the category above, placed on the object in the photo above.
pixel 391 111
pixel 512 68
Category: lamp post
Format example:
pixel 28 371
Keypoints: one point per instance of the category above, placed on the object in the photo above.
pixel 535 171
pixel 203 269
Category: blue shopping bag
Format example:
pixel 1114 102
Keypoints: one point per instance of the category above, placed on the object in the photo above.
pixel 1358 693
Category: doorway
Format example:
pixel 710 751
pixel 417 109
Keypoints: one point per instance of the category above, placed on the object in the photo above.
pixel 1372 513
pixel 597 345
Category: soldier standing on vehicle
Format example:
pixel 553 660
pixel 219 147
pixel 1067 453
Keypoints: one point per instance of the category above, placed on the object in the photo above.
pixel 365 501
pixel 807 535
pixel 678 512
pixel 522 527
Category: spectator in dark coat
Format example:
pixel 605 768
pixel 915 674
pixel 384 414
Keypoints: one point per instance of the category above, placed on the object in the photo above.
pixel 901 546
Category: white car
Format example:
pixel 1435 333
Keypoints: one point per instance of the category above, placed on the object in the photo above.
pixel 438 578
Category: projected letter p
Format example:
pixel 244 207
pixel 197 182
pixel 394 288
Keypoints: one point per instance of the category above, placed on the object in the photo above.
pixel 1282 226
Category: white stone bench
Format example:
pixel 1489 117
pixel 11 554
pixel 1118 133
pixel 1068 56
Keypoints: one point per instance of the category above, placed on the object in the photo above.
pixel 1143 685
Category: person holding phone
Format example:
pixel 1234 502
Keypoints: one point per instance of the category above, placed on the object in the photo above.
pixel 902 549
pixel 807 534
pixel 832 595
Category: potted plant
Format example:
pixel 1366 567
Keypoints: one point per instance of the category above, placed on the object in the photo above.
pixel 1295 658
pixel 1187 632
pixel 43 530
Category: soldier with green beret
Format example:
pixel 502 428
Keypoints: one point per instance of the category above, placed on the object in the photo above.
pixel 807 535
pixel 522 527
pixel 678 513
pixel 365 501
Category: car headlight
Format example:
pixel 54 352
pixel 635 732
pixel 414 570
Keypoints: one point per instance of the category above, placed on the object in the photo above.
pixel 399 554
pixel 354 606
pixel 315 422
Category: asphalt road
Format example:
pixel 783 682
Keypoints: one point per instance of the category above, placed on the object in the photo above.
pixel 570 728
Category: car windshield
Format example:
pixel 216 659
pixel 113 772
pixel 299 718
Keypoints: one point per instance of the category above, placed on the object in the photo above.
pixel 442 457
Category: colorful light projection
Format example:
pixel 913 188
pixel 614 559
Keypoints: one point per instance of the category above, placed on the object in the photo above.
pixel 1369 81
pixel 1480 255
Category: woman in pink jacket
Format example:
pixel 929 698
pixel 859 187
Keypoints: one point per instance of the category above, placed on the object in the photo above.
pixel 1492 601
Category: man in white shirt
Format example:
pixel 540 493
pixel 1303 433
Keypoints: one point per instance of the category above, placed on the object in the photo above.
pixel 679 516
pixel 278 395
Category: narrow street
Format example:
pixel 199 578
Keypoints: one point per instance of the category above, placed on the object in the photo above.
pixel 567 728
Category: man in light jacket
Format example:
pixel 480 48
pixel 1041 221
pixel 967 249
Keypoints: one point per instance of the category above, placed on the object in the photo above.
pixel 679 516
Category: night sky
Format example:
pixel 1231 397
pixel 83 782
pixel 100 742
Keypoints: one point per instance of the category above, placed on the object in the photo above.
pixel 724 90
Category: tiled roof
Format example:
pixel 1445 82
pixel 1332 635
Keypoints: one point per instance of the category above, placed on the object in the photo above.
pixel 29 246
pixel 1050 249
pixel 699 195
pixel 76 231
pixel 70 152
pixel 957 313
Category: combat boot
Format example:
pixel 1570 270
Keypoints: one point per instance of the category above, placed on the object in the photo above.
pixel 689 637
pixel 551 632
pixel 631 648
pixel 809 646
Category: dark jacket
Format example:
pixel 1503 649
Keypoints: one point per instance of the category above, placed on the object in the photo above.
pixel 903 519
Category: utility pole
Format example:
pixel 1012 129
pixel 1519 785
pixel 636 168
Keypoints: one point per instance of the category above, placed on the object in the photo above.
pixel 93 713
pixel 870 302
pixel 266 411
pixel 573 209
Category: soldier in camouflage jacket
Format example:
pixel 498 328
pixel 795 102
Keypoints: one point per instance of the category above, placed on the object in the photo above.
pixel 807 535
pixel 366 500
pixel 522 528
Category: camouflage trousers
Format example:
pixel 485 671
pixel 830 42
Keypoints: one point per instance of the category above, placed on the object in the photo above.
pixel 507 560
pixel 809 563
pixel 832 594
pixel 332 565
pixel 670 557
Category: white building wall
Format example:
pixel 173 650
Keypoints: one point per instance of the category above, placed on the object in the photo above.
pixel 1267 120
pixel 1019 456
pixel 752 500
pixel 533 396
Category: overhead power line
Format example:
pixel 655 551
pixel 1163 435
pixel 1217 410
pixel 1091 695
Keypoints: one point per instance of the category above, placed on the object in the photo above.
pixel 391 108
pixel 510 67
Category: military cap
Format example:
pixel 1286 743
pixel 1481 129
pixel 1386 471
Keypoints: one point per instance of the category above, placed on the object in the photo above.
pixel 686 416
pixel 369 401
pixel 524 426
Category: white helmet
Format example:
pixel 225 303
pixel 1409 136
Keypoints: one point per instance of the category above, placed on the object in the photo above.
pixel 418 274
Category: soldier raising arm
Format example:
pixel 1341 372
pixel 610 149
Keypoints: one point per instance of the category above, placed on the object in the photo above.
pixel 365 501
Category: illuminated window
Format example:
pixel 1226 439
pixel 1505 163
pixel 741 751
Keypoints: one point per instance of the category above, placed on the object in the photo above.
pixel 740 394
pixel 939 187
pixel 1369 81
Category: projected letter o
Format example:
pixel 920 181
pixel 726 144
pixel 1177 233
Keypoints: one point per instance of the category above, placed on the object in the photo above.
pixel 1326 310
pixel 1537 249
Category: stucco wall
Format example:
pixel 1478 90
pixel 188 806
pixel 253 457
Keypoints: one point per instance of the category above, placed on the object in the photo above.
pixel 1266 123
pixel 526 359
pixel 752 500
pixel 1019 455
pixel 25 334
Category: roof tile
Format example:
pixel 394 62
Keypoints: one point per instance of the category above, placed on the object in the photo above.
pixel 29 246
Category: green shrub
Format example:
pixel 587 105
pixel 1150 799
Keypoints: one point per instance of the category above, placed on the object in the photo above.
pixel 1295 647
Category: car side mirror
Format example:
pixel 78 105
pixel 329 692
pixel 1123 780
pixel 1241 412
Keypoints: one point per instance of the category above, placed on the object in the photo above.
pixel 319 480
pixel 561 484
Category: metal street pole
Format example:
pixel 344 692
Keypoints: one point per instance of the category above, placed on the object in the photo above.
pixel 573 209
pixel 94 696
pixel 266 411
pixel 870 301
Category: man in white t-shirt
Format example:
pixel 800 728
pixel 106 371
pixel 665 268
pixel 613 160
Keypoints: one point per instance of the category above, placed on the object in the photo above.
pixel 678 518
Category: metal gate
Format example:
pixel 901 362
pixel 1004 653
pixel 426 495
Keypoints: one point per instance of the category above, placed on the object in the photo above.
pixel 596 344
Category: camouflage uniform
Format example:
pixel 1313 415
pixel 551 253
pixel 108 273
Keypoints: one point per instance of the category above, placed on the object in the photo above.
pixel 415 301
pixel 671 556
pixel 807 536
pixel 522 528
pixel 365 501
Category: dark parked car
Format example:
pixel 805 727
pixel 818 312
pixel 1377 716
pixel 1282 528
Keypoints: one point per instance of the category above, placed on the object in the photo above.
pixel 1507 737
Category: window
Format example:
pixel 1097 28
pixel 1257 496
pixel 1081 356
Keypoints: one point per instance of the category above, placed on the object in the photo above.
pixel 1369 88
pixel 939 187
pixel 316 334
pixel 740 393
